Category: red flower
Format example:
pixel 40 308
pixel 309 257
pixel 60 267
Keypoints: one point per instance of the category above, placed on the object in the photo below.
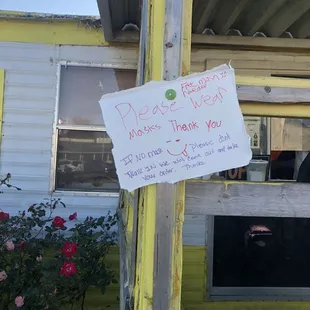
pixel 4 216
pixel 68 269
pixel 73 216
pixel 69 249
pixel 58 222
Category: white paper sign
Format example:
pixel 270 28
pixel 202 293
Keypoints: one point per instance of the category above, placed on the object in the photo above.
pixel 171 131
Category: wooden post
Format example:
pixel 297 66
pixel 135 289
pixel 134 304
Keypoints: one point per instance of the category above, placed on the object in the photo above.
pixel 170 198
pixel 161 208
pixel 127 225
pixel 150 68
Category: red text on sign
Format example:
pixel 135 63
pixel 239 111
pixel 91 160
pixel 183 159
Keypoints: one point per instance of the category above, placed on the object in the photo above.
pixel 215 77
pixel 144 131
pixel 130 115
pixel 183 127
pixel 213 124
pixel 208 99
pixel 189 87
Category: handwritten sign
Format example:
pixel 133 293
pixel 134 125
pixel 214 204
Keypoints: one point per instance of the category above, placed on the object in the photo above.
pixel 171 131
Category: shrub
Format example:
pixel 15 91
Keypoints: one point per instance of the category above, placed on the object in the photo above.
pixel 46 265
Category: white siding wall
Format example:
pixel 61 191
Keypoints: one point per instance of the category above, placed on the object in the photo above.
pixel 29 109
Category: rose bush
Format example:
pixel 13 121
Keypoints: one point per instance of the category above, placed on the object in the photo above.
pixel 46 265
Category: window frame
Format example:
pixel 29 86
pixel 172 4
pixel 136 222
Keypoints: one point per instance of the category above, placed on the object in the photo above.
pixel 215 293
pixel 57 127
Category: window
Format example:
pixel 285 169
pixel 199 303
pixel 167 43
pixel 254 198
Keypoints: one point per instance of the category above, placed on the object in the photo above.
pixel 84 160
pixel 261 252
pixel 260 257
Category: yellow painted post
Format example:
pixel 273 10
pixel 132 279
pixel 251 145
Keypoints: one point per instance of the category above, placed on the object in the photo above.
pixel 179 203
pixel 298 109
pixel 127 210
pixel 160 278
pixel 143 292
pixel 170 198
pixel 1 101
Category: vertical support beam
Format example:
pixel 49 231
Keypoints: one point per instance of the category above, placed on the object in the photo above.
pixel 127 227
pixel 170 198
pixel 179 198
pixel 151 68
pixel 165 219
pixel 161 208
pixel 143 299
pixel 122 247
pixel 1 100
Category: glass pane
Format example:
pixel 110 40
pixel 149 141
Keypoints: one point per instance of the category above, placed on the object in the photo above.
pixel 85 162
pixel 261 252
pixel 280 149
pixel 81 88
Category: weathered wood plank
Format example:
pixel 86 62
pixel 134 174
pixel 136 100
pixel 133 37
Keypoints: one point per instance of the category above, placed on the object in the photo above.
pixel 248 199
pixel 273 94
pixel 127 227
pixel 273 81
pixel 133 250
pixel 253 43
pixel 123 264
pixel 237 54
pixel 261 64
pixel 165 196
pixel 297 110
pixel 221 42
pixel 162 264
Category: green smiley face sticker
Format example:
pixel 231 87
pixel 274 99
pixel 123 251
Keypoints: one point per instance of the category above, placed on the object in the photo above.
pixel 170 94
